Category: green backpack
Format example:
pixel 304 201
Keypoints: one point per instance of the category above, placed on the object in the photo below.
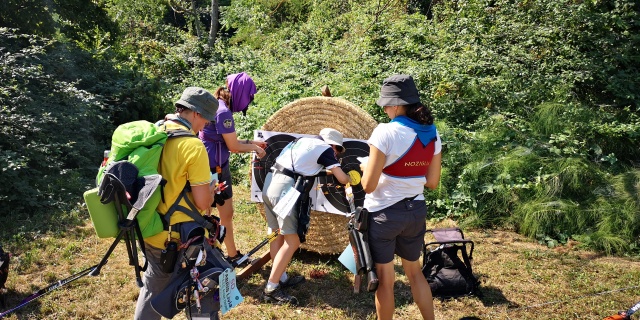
pixel 141 143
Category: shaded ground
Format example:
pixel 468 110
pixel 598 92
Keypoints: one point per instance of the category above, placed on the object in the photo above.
pixel 520 279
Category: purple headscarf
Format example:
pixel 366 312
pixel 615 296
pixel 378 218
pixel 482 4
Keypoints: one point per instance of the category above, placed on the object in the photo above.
pixel 242 89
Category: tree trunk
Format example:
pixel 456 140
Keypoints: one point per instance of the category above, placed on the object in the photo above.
pixel 196 18
pixel 213 31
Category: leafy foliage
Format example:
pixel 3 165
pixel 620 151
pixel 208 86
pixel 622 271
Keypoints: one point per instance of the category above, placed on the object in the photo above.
pixel 49 128
pixel 536 101
pixel 59 107
pixel 83 21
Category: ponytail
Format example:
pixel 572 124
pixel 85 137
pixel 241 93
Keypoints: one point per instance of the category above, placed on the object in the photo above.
pixel 223 94
pixel 419 113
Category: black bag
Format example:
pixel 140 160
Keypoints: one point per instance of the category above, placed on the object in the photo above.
pixel 358 238
pixel 179 293
pixel 447 265
pixel 303 206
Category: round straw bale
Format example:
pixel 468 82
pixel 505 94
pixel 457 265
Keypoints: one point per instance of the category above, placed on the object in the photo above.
pixel 327 231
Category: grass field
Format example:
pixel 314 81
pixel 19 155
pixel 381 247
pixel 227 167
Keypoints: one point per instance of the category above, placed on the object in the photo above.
pixel 520 279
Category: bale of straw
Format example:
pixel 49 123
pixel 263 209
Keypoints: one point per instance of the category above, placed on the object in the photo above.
pixel 327 231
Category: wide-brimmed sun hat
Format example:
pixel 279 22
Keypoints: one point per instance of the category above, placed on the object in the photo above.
pixel 332 136
pixel 200 101
pixel 398 90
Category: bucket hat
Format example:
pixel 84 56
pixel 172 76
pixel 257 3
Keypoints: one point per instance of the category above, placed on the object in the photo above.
pixel 332 136
pixel 200 101
pixel 398 90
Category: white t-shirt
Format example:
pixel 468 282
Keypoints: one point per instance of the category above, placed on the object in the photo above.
pixel 394 139
pixel 304 156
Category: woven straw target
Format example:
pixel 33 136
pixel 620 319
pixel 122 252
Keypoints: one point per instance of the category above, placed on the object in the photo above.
pixel 327 231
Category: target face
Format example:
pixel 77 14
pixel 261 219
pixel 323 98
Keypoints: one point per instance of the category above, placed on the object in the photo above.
pixel 327 194
pixel 260 167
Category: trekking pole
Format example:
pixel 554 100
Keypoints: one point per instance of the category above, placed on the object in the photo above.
pixel 268 239
pixel 625 315
pixel 46 290
pixel 633 309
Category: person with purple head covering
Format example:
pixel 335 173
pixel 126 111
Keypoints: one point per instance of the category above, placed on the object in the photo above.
pixel 220 139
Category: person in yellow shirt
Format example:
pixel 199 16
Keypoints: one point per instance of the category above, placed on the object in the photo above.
pixel 184 159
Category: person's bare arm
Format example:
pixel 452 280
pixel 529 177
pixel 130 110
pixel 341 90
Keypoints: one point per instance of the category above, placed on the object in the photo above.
pixel 260 144
pixel 340 175
pixel 433 173
pixel 235 145
pixel 203 196
pixel 373 169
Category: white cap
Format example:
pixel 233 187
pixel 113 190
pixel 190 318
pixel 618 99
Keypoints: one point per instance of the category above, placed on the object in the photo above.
pixel 332 136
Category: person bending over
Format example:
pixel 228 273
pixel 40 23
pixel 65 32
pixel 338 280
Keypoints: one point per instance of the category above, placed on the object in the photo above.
pixel 296 167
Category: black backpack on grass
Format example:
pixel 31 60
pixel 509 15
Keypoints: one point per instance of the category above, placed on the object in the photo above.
pixel 447 264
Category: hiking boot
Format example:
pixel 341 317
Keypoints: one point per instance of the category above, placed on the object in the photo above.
pixel 292 281
pixel 278 296
pixel 234 260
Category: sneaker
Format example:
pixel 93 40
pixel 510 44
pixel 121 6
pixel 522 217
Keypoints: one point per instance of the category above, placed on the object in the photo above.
pixel 292 281
pixel 234 260
pixel 278 296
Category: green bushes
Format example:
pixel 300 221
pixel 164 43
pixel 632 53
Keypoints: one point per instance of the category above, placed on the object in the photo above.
pixel 616 208
pixel 522 91
pixel 536 101
pixel 59 107
pixel 47 144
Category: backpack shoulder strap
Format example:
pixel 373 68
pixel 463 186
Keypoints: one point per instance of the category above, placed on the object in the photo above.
pixel 173 133
pixel 190 210
pixel 467 259
pixel 176 133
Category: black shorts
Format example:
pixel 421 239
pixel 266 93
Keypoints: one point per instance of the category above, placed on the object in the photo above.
pixel 398 229
pixel 225 175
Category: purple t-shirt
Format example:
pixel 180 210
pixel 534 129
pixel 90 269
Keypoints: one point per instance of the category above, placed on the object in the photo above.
pixel 212 138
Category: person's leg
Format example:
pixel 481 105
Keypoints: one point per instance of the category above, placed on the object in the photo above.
pixel 275 246
pixel 226 219
pixel 283 256
pixel 273 223
pixel 288 225
pixel 385 301
pixel 273 291
pixel 282 248
pixel 409 245
pixel 382 242
pixel 226 212
pixel 154 281
pixel 420 289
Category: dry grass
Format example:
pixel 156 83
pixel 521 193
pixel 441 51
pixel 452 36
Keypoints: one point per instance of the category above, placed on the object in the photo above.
pixel 520 280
